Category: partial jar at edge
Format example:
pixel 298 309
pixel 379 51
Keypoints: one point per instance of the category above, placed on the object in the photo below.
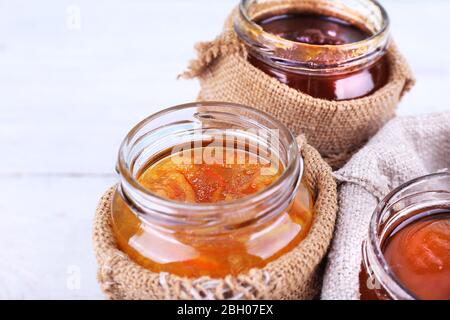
pixel 209 239
pixel 406 255
pixel 326 64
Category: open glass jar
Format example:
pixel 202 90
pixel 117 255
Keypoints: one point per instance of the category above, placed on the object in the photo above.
pixel 194 235
pixel 328 49
pixel 407 253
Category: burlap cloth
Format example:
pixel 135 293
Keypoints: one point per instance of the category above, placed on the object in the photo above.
pixel 404 149
pixel 295 275
pixel 335 128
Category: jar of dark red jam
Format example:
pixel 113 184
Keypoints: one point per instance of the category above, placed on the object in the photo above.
pixel 407 252
pixel 328 49
pixel 210 189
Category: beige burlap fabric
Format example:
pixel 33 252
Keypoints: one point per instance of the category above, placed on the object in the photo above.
pixel 404 149
pixel 335 128
pixel 296 275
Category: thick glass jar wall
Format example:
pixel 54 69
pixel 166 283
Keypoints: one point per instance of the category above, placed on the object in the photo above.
pixel 196 238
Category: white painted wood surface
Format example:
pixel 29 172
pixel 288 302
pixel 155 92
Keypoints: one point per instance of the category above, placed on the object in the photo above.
pixel 68 96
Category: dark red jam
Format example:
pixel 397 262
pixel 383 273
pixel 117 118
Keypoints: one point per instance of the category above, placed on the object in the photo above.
pixel 323 30
pixel 313 29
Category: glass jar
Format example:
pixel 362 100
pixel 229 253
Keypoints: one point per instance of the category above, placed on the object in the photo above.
pixel 210 239
pixel 423 199
pixel 325 69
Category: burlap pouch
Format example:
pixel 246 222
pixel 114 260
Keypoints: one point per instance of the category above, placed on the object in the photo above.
pixel 406 148
pixel 295 275
pixel 335 128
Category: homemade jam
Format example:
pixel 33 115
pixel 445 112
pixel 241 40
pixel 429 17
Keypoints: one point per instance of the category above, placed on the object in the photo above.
pixel 324 53
pixel 204 209
pixel 414 249
pixel 210 183
pixel 419 256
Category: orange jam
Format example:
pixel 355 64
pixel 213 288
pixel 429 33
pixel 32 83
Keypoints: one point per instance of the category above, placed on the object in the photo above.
pixel 212 251
pixel 419 256
pixel 230 179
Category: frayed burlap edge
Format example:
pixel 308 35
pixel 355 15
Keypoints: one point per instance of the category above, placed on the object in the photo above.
pixel 337 129
pixel 295 275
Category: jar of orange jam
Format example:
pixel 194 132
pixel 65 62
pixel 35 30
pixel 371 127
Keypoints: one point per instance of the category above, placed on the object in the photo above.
pixel 210 189
pixel 329 49
pixel 407 253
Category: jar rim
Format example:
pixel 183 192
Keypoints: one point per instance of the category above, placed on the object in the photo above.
pixel 375 240
pixel 307 56
pixel 295 163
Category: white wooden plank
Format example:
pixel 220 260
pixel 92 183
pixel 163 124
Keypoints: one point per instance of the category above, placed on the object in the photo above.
pixel 46 237
pixel 68 97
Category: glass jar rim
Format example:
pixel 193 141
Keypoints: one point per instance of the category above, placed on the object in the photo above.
pixel 295 162
pixel 375 240
pixel 350 54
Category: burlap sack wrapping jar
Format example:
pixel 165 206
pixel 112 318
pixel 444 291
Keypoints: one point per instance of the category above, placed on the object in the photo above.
pixel 335 128
pixel 294 275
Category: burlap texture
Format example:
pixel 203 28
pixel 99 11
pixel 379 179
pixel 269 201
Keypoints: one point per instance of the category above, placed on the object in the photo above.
pixel 406 148
pixel 295 275
pixel 335 128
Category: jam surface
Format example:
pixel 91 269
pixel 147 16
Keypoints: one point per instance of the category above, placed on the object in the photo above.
pixel 322 30
pixel 419 256
pixel 215 254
